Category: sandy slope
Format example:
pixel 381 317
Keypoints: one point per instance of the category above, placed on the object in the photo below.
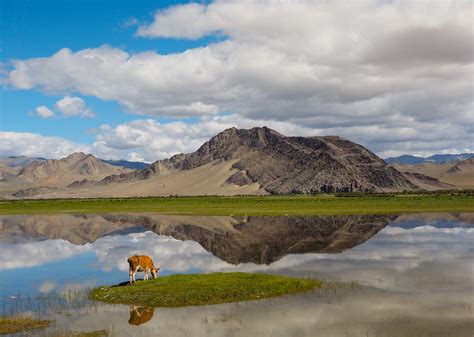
pixel 208 179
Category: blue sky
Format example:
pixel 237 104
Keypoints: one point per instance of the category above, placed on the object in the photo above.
pixel 143 80
pixel 36 28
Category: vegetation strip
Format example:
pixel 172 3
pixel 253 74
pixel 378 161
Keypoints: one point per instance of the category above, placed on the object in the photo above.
pixel 202 289
pixel 10 325
pixel 253 205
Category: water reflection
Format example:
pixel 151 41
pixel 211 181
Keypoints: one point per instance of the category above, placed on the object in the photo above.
pixel 140 315
pixel 260 240
pixel 416 272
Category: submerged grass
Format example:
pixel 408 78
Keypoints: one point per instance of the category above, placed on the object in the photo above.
pixel 253 205
pixel 11 325
pixel 202 289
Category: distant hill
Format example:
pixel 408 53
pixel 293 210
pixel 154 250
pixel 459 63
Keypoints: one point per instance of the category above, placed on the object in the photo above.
pixel 19 161
pixel 437 159
pixel 458 174
pixel 66 170
pixel 134 165
pixel 44 176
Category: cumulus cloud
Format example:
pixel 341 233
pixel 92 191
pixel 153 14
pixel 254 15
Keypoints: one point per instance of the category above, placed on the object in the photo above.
pixel 44 112
pixel 36 145
pixel 394 76
pixel 73 106
pixel 150 140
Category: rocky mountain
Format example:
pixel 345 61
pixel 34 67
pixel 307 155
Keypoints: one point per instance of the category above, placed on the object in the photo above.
pixel 67 170
pixel 10 166
pixel 437 158
pixel 39 177
pixel 235 161
pixel 281 164
pixel 20 161
pixel 458 174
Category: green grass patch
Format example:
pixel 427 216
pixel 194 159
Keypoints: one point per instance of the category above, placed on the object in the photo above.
pixel 202 289
pixel 253 205
pixel 10 325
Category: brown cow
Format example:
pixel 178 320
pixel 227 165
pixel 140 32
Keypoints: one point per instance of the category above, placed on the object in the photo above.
pixel 142 263
pixel 140 315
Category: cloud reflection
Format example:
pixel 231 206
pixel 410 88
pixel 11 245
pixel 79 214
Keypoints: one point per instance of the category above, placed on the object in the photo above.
pixel 37 253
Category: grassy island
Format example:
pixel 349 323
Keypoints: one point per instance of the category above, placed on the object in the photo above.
pixel 202 289
pixel 255 205
pixel 11 325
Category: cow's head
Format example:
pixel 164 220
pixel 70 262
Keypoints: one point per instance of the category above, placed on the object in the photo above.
pixel 154 272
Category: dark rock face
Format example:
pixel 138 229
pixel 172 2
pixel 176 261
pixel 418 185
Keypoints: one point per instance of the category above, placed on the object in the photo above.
pixel 239 178
pixel 296 164
pixel 284 165
pixel 124 177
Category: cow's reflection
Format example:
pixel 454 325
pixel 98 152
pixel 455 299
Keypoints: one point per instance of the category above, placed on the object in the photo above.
pixel 140 315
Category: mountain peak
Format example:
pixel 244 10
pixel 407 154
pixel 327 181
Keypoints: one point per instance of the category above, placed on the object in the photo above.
pixel 78 156
pixel 76 166
pixel 283 164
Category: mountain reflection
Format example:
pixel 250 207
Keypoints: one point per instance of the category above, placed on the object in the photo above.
pixel 260 240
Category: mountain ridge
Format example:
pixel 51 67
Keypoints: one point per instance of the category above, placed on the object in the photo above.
pixel 245 161
pixel 281 164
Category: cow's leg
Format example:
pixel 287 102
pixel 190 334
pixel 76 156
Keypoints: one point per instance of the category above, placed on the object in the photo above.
pixel 130 272
pixel 146 275
pixel 134 274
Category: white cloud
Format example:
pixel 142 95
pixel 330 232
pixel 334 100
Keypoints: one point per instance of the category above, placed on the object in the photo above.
pixel 73 106
pixel 44 112
pixel 36 253
pixel 35 145
pixel 193 109
pixel 190 21
pixel 326 66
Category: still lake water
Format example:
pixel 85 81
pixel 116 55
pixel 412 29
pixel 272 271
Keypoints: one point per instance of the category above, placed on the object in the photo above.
pixel 415 273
